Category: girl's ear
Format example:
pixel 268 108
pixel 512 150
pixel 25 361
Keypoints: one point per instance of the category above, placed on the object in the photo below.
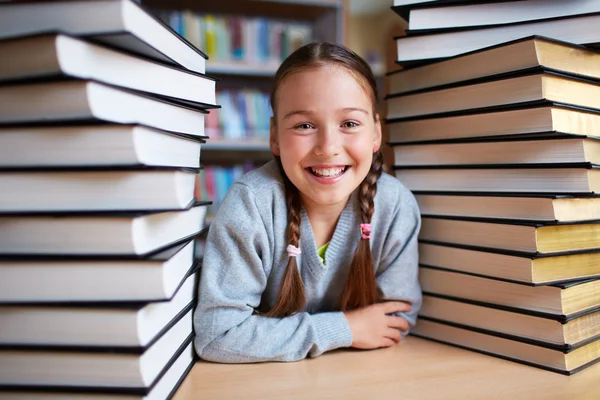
pixel 273 142
pixel 377 134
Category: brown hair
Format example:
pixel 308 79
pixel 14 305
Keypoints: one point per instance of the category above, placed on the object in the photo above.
pixel 360 289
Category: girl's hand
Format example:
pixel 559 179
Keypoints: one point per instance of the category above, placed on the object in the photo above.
pixel 372 328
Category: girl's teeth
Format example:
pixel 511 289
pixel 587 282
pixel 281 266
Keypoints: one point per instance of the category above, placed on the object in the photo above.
pixel 327 172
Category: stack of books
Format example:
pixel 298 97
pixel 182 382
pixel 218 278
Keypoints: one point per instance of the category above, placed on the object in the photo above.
pixel 101 125
pixel 501 147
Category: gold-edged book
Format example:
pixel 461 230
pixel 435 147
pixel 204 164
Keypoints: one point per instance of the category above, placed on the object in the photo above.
pixel 565 150
pixel 567 179
pixel 565 300
pixel 528 89
pixel 513 266
pixel 559 208
pixel 560 333
pixel 545 121
pixel 522 54
pixel 526 237
pixel 509 348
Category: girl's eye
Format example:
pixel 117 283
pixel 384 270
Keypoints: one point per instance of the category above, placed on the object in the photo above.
pixel 304 126
pixel 349 124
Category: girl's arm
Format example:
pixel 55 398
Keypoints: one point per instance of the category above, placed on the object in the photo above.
pixel 237 255
pixel 397 271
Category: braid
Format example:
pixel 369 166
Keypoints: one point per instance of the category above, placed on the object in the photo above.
pixel 291 298
pixel 361 287
pixel 368 188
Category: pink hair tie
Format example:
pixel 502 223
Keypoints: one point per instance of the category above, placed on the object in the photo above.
pixel 293 251
pixel 365 231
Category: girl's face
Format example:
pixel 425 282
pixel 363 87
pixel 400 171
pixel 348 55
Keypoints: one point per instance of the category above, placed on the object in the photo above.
pixel 325 134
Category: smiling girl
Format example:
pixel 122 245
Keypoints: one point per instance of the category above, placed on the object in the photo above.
pixel 316 250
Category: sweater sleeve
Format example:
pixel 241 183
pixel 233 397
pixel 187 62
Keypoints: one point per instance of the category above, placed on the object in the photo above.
pixel 237 255
pixel 397 273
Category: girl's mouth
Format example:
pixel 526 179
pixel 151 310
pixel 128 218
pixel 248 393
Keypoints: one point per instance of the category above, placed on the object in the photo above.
pixel 329 172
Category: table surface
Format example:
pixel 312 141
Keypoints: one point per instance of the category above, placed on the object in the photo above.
pixel 415 369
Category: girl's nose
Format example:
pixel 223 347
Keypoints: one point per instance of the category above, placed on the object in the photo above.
pixel 329 142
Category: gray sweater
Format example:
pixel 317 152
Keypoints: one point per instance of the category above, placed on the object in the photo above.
pixel 245 259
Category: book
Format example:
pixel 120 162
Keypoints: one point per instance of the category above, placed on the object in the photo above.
pixel 422 48
pixel 119 23
pixel 98 234
pixel 472 15
pixel 52 56
pixel 563 335
pixel 81 101
pixel 107 145
pixel 403 7
pixel 532 122
pixel 95 368
pixel 78 327
pixel 510 265
pixel 74 280
pixel 67 191
pixel 164 388
pixel 522 236
pixel 567 180
pixel 533 52
pixel 510 348
pixel 403 3
pixel 555 151
pixel 509 206
pixel 535 89
pixel 561 301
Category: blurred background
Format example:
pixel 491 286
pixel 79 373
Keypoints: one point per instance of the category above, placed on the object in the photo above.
pixel 246 40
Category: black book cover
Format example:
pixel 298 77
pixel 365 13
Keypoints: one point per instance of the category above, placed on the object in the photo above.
pixel 423 32
pixel 487 353
pixel 513 253
pixel 561 318
pixel 404 11
pixel 559 285
pixel 503 44
pixel 177 102
pixel 539 71
pixel 102 123
pixel 105 38
pixel 566 348
pixel 160 255
pixel 539 136
pixel 102 349
pixel 102 213
pixel 120 50
pixel 121 304
pixel 568 165
pixel 518 222
pixel 140 391
pixel 499 108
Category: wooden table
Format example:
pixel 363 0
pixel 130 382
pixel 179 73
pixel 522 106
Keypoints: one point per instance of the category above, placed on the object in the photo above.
pixel 415 369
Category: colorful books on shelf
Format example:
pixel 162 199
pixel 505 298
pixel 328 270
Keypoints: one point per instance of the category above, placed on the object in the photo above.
pixel 239 44
pixel 100 136
pixel 216 181
pixel 499 142
pixel 244 116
